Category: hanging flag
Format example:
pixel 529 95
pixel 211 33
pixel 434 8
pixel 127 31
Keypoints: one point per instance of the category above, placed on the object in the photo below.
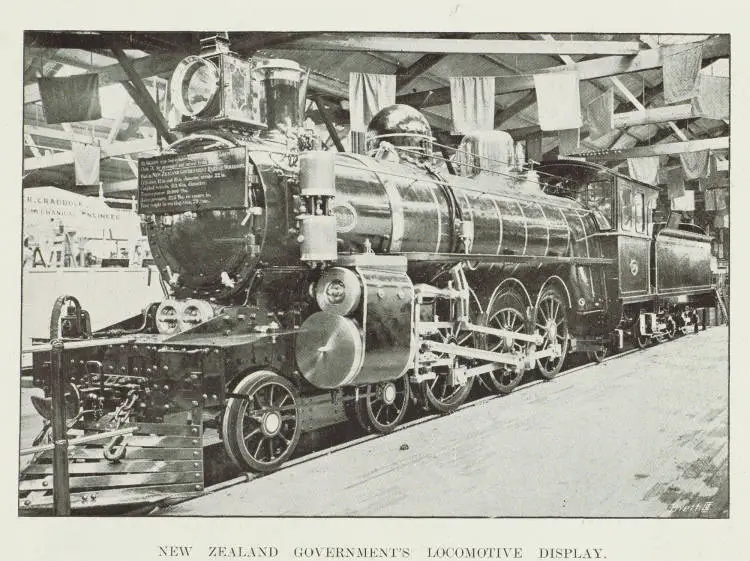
pixel 695 164
pixel 368 94
pixel 569 141
pixel 680 71
pixel 86 158
pixel 472 104
pixel 721 220
pixel 644 169
pixel 71 98
pixel 675 183
pixel 534 147
pixel 558 100
pixel 710 200
pixel 685 202
pixel 711 97
pixel 721 199
pixel 600 113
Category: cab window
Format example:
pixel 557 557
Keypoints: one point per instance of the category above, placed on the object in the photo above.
pixel 599 198
pixel 626 207
pixel 639 213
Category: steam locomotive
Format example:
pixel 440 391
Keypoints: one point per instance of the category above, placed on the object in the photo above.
pixel 307 287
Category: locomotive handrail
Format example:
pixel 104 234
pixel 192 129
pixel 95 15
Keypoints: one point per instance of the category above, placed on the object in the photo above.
pixel 79 344
pixel 487 257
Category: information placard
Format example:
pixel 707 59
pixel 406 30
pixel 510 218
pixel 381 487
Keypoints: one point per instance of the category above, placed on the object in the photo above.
pixel 200 181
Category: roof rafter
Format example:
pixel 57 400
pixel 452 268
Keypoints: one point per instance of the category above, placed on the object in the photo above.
pixel 357 42
pixel 587 70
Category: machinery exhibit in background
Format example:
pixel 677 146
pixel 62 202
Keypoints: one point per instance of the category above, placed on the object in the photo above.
pixel 310 287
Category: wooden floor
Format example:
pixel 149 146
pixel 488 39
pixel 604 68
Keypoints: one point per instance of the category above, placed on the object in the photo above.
pixel 643 435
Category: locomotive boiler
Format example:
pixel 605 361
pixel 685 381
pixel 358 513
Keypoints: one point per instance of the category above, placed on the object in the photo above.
pixel 307 287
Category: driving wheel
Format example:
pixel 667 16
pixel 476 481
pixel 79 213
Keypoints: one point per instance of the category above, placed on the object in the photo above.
pixel 505 312
pixel 551 318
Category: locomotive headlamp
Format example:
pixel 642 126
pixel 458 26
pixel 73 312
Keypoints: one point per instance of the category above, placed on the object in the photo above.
pixel 195 312
pixel 168 317
pixel 194 85
pixel 338 291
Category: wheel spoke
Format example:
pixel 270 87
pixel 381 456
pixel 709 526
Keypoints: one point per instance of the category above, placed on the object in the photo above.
pixel 253 433
pixel 257 449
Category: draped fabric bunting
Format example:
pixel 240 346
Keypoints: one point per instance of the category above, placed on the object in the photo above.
pixel 685 202
pixel 644 169
pixel 600 113
pixel 695 164
pixel 472 103
pixel 368 94
pixel 721 220
pixel 675 183
pixel 534 147
pixel 70 98
pixel 558 100
pixel 721 199
pixel 86 158
pixel 680 71
pixel 710 199
pixel 711 97
pixel 569 141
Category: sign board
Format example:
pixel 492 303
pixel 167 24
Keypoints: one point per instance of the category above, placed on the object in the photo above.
pixel 175 183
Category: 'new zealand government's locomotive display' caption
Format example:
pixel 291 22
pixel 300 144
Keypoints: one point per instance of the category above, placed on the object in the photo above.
pixel 307 287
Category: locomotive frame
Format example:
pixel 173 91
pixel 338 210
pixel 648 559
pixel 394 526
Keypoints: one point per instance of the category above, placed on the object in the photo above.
pixel 313 288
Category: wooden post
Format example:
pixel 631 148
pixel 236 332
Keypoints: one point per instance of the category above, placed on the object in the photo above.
pixel 60 476
pixel 328 123
pixel 140 95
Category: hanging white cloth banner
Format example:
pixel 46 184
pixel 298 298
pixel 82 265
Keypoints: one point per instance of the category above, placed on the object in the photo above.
pixel 600 111
pixel 558 100
pixel 368 94
pixel 685 202
pixel 680 71
pixel 644 169
pixel 569 141
pixel 86 160
pixel 472 103
pixel 695 164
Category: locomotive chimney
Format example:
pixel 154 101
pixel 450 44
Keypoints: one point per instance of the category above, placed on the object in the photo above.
pixel 214 43
pixel 285 85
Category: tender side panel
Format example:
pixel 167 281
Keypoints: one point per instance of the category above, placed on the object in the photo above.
pixel 683 262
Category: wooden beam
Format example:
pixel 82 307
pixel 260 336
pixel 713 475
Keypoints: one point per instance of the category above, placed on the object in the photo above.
pixel 588 70
pixel 666 148
pixel 653 115
pixel 400 44
pixel 108 150
pixel 330 127
pixel 144 67
pixel 142 97
pixel 502 116
pixel 423 64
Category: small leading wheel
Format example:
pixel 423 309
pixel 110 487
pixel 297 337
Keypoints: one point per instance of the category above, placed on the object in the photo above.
pixel 262 427
pixel 551 318
pixel 505 312
pixel 381 407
